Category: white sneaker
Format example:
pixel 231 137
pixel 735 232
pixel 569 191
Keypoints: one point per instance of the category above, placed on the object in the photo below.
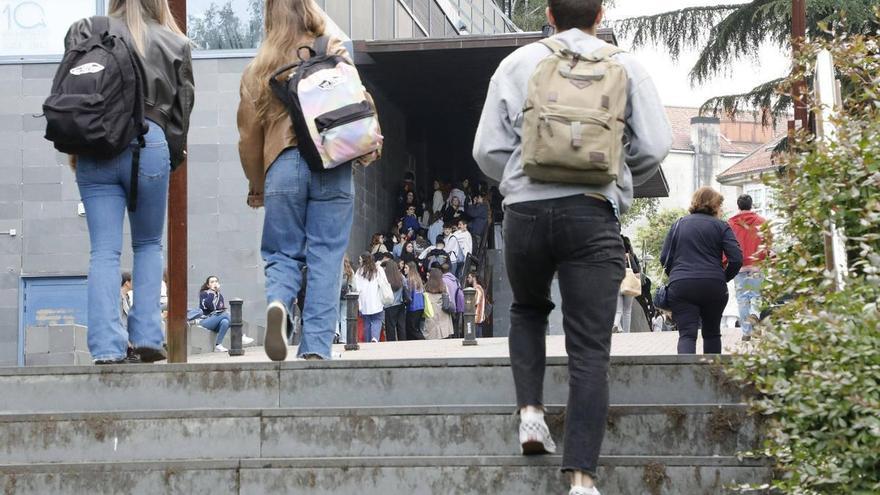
pixel 220 348
pixel 276 332
pixel 534 436
pixel 245 340
pixel 374 341
pixel 580 490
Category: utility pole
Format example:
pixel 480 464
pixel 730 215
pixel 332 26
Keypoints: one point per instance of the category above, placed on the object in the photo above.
pixel 798 35
pixel 177 242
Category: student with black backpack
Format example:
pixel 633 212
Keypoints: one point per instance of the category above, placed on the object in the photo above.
pixel 303 118
pixel 120 106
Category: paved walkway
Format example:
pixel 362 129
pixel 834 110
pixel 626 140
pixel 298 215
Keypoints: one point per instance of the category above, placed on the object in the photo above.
pixel 631 344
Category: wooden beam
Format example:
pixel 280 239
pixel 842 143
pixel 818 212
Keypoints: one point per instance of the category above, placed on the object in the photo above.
pixel 177 242
pixel 798 36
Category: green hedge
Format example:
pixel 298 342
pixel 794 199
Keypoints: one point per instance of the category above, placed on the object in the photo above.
pixel 817 366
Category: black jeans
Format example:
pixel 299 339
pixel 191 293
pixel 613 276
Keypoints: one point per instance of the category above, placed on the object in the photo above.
pixel 694 302
pixel 413 325
pixel 578 237
pixel 395 323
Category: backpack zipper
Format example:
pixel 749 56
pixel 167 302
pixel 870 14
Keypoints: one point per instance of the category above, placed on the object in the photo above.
pixel 348 119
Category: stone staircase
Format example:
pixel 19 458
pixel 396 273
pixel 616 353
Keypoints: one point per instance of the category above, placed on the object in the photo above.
pixel 358 427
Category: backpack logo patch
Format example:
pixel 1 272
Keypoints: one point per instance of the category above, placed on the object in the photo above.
pixel 331 82
pixel 89 68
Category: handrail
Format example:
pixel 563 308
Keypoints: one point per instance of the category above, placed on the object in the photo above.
pixel 412 16
pixel 508 23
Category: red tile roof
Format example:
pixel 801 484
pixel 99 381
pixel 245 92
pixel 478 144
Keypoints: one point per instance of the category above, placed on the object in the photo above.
pixel 760 160
pixel 738 137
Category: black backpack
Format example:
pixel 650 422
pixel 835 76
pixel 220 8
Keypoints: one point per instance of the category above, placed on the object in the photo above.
pixel 96 107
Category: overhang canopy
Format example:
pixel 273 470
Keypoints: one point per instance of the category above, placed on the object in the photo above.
pixel 449 77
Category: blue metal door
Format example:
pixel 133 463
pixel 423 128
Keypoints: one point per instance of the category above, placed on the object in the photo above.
pixel 51 301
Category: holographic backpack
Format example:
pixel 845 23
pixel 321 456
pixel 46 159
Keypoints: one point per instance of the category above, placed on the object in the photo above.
pixel 332 115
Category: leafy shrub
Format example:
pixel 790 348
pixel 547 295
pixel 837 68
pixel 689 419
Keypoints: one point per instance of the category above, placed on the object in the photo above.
pixel 817 367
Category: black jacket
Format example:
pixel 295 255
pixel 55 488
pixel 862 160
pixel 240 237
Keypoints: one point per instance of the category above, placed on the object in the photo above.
pixel 169 92
pixel 694 246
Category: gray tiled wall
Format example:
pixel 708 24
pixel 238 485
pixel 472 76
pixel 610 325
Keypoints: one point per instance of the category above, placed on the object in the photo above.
pixel 39 197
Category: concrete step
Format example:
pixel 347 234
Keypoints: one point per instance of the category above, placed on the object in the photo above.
pixel 634 380
pixel 464 475
pixel 700 430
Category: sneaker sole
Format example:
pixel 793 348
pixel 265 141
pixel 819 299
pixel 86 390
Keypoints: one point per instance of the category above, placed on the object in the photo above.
pixel 275 346
pixel 535 448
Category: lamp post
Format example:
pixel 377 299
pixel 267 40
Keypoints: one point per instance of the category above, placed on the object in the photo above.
pixel 470 313
pixel 351 305
pixel 235 323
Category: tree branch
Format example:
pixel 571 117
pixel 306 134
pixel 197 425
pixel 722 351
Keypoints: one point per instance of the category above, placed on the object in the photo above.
pixel 676 30
pixel 740 35
pixel 765 99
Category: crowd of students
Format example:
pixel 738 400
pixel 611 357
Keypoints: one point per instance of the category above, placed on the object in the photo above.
pixel 409 279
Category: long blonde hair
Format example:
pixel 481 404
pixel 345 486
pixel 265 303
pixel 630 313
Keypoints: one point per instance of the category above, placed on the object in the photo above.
pixel 287 24
pixel 136 13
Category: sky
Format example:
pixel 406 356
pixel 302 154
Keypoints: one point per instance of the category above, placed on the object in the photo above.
pixel 671 77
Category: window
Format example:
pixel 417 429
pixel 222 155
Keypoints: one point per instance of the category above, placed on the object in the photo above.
pixel 761 199
pixel 225 24
pixel 35 29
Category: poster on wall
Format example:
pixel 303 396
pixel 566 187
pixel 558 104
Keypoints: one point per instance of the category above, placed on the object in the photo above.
pixel 31 28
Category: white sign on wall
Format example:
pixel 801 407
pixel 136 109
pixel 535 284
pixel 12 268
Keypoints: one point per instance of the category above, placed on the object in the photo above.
pixel 37 27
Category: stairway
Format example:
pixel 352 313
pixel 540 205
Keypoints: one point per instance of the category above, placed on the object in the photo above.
pixel 358 427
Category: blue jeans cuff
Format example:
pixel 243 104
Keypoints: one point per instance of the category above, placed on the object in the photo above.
pixel 325 357
pixel 109 357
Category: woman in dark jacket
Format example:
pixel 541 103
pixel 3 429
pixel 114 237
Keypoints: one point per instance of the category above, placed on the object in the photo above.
pixel 623 316
pixel 106 184
pixel 215 315
pixel 692 256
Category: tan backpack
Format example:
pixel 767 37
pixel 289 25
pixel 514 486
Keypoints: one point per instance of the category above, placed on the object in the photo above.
pixel 574 117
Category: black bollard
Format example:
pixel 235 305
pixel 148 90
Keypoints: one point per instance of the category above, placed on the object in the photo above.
pixel 351 302
pixel 235 323
pixel 470 314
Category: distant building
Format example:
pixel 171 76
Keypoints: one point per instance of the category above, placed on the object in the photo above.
pixel 703 148
pixel 747 176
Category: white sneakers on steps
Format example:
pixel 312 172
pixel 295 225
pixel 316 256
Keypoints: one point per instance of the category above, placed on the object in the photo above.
pixel 534 435
pixel 580 490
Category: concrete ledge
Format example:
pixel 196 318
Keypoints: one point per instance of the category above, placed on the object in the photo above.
pixel 471 410
pixel 446 431
pixel 243 365
pixel 267 385
pixel 510 475
pixel 337 462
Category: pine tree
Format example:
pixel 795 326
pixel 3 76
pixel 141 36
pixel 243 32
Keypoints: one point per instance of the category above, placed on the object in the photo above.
pixel 723 34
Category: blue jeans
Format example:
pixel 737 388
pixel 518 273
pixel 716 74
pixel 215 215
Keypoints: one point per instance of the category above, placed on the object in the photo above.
pixel 342 325
pixel 308 222
pixel 218 324
pixel 373 327
pixel 748 297
pixel 104 186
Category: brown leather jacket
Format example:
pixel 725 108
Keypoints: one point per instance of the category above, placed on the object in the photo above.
pixel 169 91
pixel 260 142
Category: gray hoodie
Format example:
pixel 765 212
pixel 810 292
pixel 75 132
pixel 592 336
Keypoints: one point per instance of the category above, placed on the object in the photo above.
pixel 498 144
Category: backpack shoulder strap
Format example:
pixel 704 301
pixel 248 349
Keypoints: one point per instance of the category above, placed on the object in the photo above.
pixel 554 45
pixel 321 45
pixel 100 25
pixel 606 52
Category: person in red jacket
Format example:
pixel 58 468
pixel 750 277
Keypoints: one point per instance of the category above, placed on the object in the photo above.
pixel 746 227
